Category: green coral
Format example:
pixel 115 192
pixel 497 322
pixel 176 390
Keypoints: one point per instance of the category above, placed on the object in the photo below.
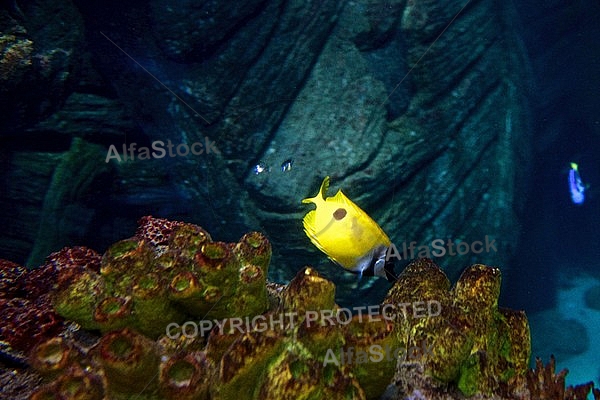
pixel 475 345
pixel 171 271
pixel 145 285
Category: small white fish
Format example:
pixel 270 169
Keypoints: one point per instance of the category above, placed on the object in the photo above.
pixel 287 165
pixel 576 186
pixel 260 168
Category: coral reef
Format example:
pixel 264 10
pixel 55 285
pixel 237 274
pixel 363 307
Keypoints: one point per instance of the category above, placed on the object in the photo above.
pixel 236 336
pixel 543 383
pixel 25 307
pixel 287 346
pixel 167 272
pixel 15 57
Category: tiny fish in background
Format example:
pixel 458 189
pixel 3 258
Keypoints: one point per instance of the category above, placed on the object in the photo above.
pixel 287 165
pixel 347 235
pixel 260 168
pixel 576 186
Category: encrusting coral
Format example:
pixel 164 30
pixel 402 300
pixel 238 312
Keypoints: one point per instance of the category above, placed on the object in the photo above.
pixel 25 306
pixel 544 384
pixel 167 272
pixel 15 56
pixel 474 343
pixel 269 341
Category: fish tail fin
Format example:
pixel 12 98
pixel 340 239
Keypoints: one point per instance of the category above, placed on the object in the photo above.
pixel 321 194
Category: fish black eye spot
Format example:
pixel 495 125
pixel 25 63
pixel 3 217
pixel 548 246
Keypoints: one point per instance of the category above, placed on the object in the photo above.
pixel 340 213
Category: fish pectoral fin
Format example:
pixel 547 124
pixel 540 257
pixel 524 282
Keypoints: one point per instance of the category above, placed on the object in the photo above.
pixel 309 221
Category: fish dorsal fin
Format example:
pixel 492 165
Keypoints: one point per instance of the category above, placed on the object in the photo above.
pixel 324 187
pixel 321 195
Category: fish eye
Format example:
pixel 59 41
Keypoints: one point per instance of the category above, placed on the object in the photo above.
pixel 340 213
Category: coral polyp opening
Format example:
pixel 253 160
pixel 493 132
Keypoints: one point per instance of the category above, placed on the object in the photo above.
pixel 121 347
pixel 111 306
pixel 51 353
pixel 180 374
pixel 183 282
pixel 149 282
pixel 214 251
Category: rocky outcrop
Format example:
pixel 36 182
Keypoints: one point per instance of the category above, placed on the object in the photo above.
pixel 415 109
pixel 423 124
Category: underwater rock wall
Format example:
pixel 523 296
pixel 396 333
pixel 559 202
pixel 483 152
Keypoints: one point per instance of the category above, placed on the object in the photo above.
pixel 474 123
pixel 423 132
pixel 37 72
pixel 421 121
pixel 471 109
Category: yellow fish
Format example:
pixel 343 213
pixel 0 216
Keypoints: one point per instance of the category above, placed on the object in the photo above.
pixel 347 235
